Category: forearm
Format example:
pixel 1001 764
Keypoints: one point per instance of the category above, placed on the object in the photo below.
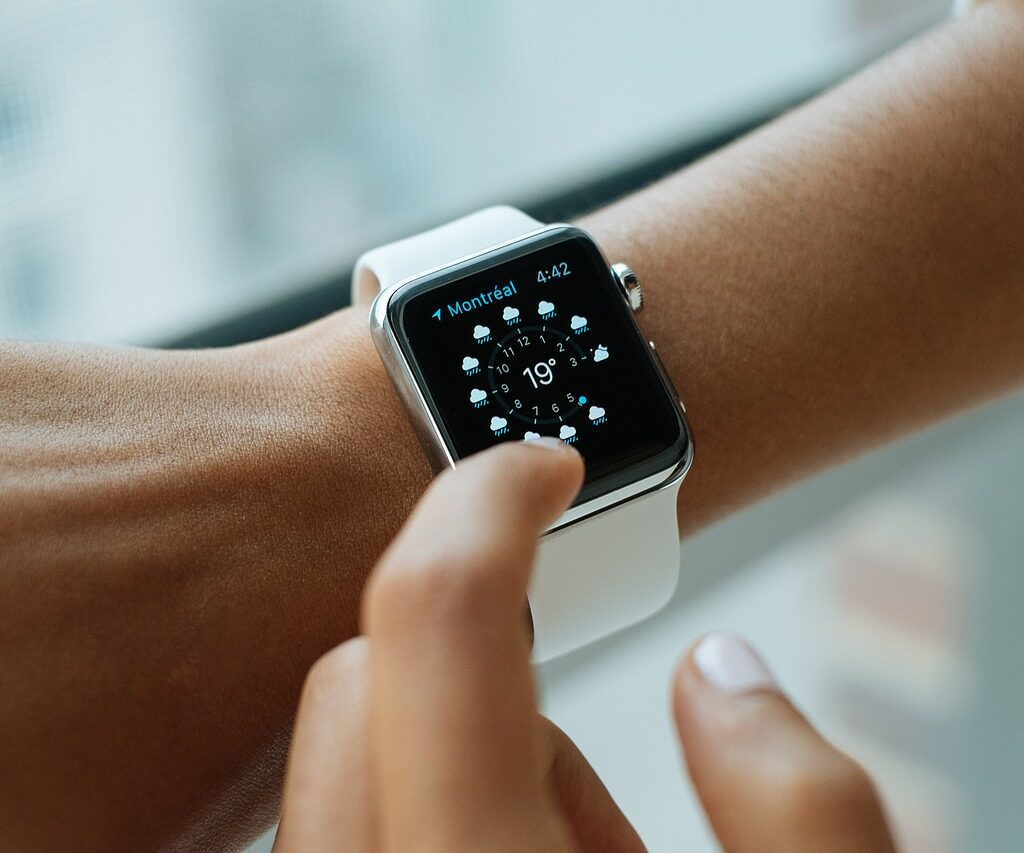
pixel 181 535
pixel 846 274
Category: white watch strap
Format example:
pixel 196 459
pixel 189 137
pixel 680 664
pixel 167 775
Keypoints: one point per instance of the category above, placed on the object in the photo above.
pixel 604 573
pixel 599 574
pixel 386 265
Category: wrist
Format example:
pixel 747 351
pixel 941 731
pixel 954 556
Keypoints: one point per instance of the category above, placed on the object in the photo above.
pixel 354 447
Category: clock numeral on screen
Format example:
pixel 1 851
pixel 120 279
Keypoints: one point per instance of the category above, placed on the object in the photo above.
pixel 519 404
pixel 557 271
pixel 541 373
pixel 561 347
pixel 570 397
pixel 523 341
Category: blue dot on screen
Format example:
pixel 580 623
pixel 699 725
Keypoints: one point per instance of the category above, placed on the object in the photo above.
pixel 583 400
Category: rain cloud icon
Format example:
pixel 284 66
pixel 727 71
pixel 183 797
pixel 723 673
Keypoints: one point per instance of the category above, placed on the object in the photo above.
pixel 567 433
pixel 544 308
pixel 477 397
pixel 470 364
pixel 510 314
pixel 531 435
pixel 596 414
pixel 481 332
pixel 498 425
pixel 601 353
pixel 577 323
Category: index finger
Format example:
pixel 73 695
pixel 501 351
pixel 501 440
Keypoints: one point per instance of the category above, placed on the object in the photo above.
pixel 456 748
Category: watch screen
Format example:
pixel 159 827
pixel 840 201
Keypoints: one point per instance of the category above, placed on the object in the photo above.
pixel 541 343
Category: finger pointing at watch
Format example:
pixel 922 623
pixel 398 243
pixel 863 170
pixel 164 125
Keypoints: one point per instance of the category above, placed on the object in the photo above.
pixel 767 780
pixel 455 738
pixel 425 733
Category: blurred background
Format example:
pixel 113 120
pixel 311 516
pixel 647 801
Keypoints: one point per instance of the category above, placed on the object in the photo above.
pixel 205 172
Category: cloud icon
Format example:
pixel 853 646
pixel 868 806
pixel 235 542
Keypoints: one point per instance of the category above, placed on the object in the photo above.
pixel 545 307
pixel 566 432
pixel 498 424
pixel 577 322
pixel 469 363
pixel 531 435
pixel 596 413
pixel 476 395
pixel 509 313
pixel 480 332
pixel 601 353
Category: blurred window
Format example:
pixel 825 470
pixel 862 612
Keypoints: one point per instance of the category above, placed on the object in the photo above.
pixel 164 164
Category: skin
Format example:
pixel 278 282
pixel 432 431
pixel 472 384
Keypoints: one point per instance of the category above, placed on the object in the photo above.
pixel 424 734
pixel 183 534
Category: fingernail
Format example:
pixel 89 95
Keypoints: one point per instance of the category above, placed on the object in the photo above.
pixel 549 442
pixel 728 662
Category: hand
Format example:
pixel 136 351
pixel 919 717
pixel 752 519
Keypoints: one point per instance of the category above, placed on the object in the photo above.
pixel 425 735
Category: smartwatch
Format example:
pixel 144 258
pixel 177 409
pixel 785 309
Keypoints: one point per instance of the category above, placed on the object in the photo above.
pixel 497 328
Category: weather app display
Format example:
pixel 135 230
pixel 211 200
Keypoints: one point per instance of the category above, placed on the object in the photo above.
pixel 542 345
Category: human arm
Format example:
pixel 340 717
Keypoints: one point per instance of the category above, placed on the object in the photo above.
pixel 178 531
pixel 848 273
pixel 184 533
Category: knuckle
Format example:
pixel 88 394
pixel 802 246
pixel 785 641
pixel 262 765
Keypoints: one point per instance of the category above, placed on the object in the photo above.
pixel 839 788
pixel 565 763
pixel 440 591
pixel 334 671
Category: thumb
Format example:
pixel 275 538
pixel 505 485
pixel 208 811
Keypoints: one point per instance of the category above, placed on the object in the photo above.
pixel 767 780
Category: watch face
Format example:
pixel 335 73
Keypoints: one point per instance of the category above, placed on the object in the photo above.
pixel 538 340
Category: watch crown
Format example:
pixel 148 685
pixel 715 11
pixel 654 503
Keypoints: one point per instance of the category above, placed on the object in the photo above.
pixel 630 285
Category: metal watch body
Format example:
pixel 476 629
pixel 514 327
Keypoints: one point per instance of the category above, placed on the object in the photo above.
pixel 426 420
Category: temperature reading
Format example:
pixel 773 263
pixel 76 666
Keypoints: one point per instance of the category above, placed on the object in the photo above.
pixel 541 373
pixel 531 364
